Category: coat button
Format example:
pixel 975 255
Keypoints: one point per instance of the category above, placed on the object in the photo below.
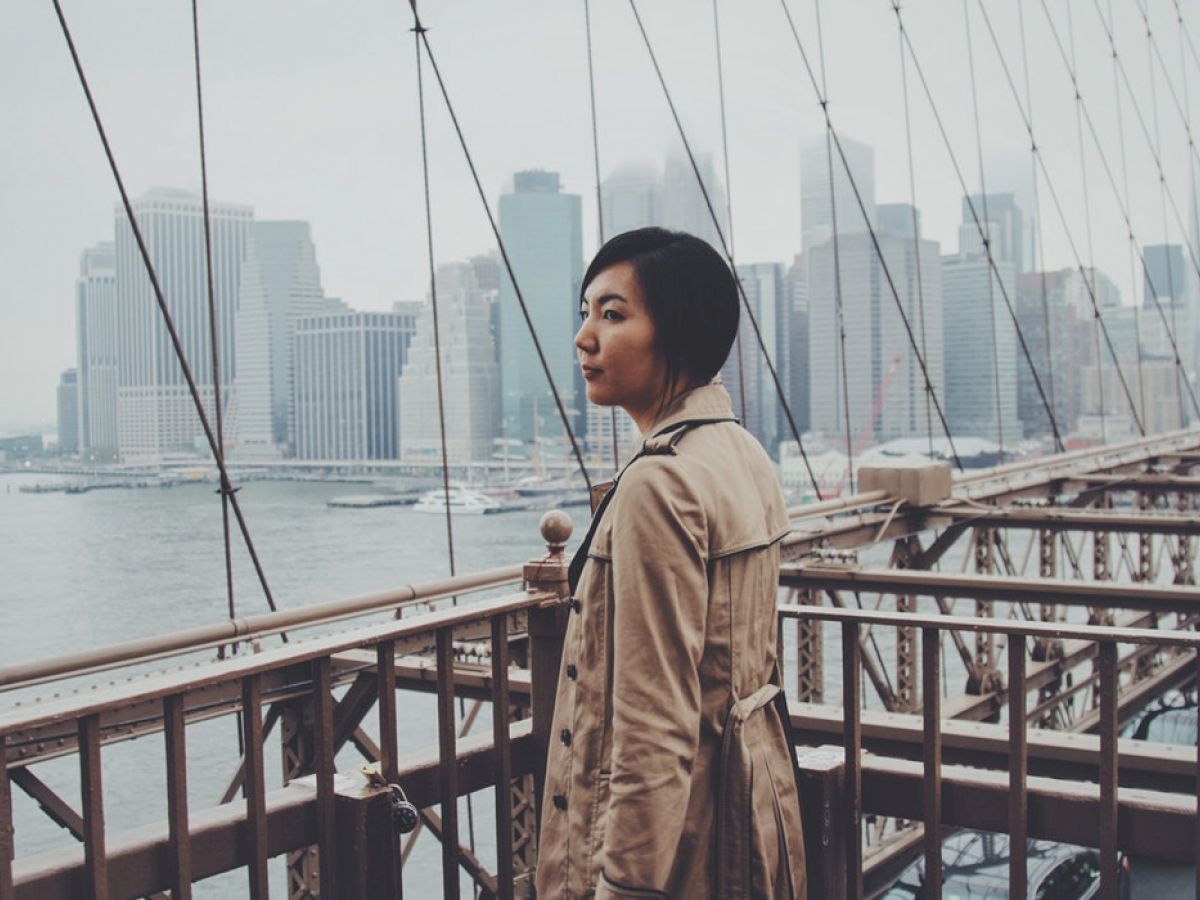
pixel 572 671
pixel 576 606
pixel 560 802
pixel 565 737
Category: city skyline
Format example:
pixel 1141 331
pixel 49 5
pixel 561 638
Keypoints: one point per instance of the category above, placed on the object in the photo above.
pixel 288 135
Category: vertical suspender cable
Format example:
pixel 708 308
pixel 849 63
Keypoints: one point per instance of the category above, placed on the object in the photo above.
pixel 712 212
pixel 418 31
pixel 587 22
pixel 737 343
pixel 512 276
pixel 1087 222
pixel 226 489
pixel 839 300
pixel 1037 213
pixel 987 234
pixel 912 193
pixel 912 341
pixel 160 300
pixel 1162 187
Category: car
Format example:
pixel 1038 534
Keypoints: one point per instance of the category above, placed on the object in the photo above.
pixel 975 867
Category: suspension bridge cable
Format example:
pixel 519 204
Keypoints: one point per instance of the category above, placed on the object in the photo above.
pixel 1185 33
pixel 737 343
pixel 841 364
pixel 725 247
pixel 226 489
pixel 1057 203
pixel 987 231
pixel 912 342
pixel 1137 316
pixel 156 287
pixel 433 297
pixel 1087 223
pixel 437 361
pixel 587 23
pixel 1137 109
pixel 912 193
pixel 1124 209
pixel 423 34
pixel 1037 381
pixel 1151 47
pixel 1156 55
pixel 1037 214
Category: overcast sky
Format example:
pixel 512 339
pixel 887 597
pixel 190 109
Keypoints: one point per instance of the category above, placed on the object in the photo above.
pixel 311 114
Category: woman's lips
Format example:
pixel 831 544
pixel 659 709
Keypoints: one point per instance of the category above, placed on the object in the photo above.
pixel 591 372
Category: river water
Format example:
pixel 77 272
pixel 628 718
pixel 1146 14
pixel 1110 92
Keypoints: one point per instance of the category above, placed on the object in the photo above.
pixel 87 570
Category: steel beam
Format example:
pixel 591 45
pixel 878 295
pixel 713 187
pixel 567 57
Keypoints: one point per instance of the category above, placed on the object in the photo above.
pixel 1064 519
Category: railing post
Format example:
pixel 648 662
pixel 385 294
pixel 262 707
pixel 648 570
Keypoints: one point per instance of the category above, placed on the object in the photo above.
pixel 823 799
pixel 547 626
pixel 366 842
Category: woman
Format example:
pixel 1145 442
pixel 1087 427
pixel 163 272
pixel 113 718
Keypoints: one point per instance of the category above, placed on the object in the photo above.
pixel 669 772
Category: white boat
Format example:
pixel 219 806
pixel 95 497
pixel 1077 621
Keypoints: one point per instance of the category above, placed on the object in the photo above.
pixel 463 501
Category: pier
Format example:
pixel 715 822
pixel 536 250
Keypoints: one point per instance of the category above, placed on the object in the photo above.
pixel 1052 649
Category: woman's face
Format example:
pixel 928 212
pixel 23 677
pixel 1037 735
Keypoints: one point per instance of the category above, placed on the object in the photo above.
pixel 621 361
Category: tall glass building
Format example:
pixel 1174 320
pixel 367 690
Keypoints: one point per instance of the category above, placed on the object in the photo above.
pixel 542 231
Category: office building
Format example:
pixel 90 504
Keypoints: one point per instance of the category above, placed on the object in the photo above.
pixel 97 343
pixel 746 373
pixel 68 412
pixel 684 207
pixel 631 197
pixel 280 284
pixel 155 413
pixel 818 207
pixel 470 375
pixel 797 288
pixel 1002 222
pixel 541 227
pixel 346 367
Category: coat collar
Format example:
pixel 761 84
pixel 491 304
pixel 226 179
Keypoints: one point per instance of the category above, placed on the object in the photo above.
pixel 704 403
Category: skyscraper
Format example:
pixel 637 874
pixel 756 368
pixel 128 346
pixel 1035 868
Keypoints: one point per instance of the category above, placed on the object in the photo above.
pixel 346 368
pixel 470 375
pixel 1168 324
pixel 683 202
pixel 1003 223
pixel 68 412
pixel 155 414
pixel 748 375
pixel 631 197
pixel 97 342
pixel 280 284
pixel 816 208
pixel 798 377
pixel 542 231
pixel 884 385
pixel 1060 358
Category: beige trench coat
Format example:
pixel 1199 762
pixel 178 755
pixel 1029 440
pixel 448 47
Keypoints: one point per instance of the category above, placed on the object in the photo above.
pixel 674 623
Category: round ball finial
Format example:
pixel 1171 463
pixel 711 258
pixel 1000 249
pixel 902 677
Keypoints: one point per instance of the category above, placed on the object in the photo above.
pixel 556 528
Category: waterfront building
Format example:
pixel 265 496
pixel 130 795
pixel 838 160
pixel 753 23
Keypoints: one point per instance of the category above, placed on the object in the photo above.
pixel 155 414
pixel 745 373
pixel 68 412
pixel 1003 222
pixel 683 205
pixel 1169 277
pixel 817 208
pixel 280 284
pixel 347 364
pixel 470 375
pixel 542 231
pixel 885 388
pixel 97 346
pixel 797 354
pixel 631 197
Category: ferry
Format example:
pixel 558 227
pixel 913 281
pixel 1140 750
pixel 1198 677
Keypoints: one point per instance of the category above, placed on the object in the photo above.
pixel 463 501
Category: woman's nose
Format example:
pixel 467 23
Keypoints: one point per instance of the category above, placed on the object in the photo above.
pixel 584 338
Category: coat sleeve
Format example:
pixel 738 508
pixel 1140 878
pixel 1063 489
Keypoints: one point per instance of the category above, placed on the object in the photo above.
pixel 660 603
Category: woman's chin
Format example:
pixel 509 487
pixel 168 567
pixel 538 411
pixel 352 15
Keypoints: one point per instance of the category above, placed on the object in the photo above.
pixel 597 396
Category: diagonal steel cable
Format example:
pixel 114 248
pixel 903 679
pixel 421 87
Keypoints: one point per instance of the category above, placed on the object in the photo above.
pixel 1037 381
pixel 423 35
pixel 725 247
pixel 912 341
pixel 156 287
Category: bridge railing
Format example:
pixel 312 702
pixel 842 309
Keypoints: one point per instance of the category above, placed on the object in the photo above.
pixel 843 783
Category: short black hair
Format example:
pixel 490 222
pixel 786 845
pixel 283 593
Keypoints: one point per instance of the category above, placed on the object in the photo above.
pixel 689 290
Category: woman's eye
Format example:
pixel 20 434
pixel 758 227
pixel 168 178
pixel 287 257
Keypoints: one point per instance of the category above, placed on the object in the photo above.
pixel 612 315
pixel 583 314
